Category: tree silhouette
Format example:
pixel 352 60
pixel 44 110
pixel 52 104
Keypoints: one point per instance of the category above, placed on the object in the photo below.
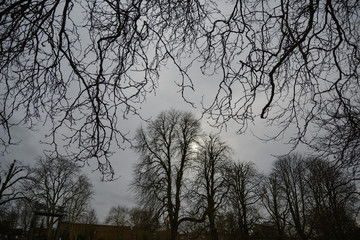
pixel 165 160
pixel 244 183
pixel 276 204
pixel 118 216
pixel 291 171
pixel 321 197
pixel 213 157
pixel 83 66
pixel 57 185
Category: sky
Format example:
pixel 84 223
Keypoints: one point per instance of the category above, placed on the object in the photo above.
pixel 247 147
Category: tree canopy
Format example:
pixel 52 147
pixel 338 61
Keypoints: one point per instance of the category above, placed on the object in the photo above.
pixel 161 174
pixel 84 66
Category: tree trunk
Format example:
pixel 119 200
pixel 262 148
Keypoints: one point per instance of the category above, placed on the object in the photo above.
pixel 173 230
pixel 50 228
pixel 213 231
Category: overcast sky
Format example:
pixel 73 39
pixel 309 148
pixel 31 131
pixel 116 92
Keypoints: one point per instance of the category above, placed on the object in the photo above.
pixel 107 194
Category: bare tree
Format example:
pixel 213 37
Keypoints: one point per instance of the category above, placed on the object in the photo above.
pixel 11 179
pixel 144 222
pixel 321 197
pixel 244 196
pixel 212 158
pixel 292 173
pixel 90 217
pixel 118 216
pixel 79 203
pixel 228 225
pixel 15 215
pixel 276 204
pixel 9 219
pixel 58 183
pixel 166 154
pixel 25 214
pixel 334 199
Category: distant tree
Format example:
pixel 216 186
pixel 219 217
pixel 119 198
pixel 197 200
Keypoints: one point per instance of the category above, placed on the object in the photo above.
pixel 194 230
pixel 118 216
pixel 58 183
pixel 11 179
pixel 9 219
pixel 79 203
pixel 244 196
pixel 213 156
pixel 83 71
pixel 276 204
pixel 89 217
pixel 335 201
pixel 14 216
pixel 144 222
pixel 228 225
pixel 292 173
pixel 165 158
pixel 321 197
pixel 25 210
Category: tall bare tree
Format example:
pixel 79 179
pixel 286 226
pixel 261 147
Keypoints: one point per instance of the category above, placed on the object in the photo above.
pixel 335 201
pixel 78 205
pixel 144 222
pixel 244 196
pixel 321 197
pixel 276 204
pixel 292 173
pixel 118 216
pixel 165 157
pixel 90 217
pixel 25 214
pixel 58 183
pixel 212 158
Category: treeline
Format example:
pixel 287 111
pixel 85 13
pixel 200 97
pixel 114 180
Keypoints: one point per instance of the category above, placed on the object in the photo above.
pixel 186 182
pixel 53 186
pixel 188 179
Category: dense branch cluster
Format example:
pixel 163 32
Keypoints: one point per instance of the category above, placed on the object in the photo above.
pixel 301 57
pixel 83 66
pixel 10 179
pixel 32 197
